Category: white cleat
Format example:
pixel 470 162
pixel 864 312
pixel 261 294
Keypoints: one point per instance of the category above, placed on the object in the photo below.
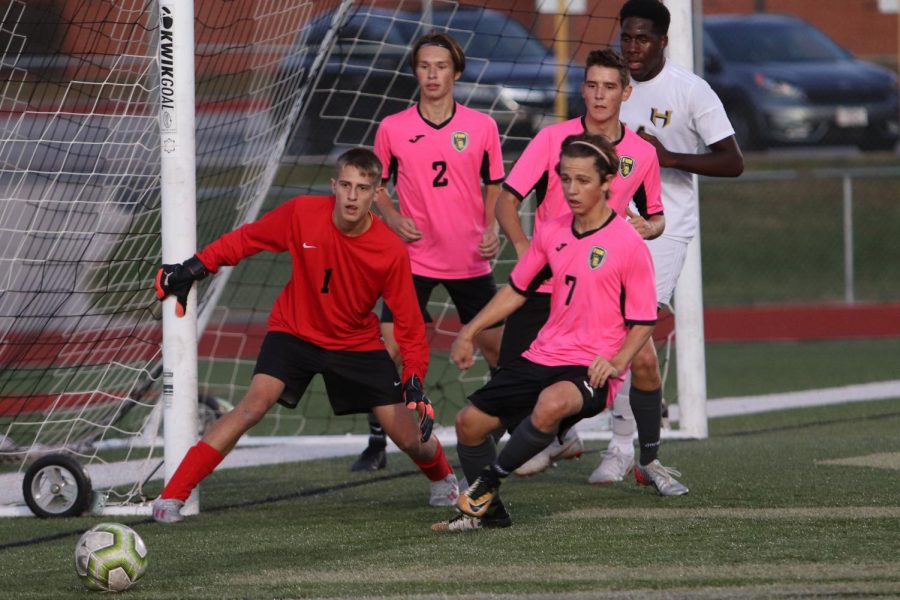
pixel 536 464
pixel 660 477
pixel 167 510
pixel 444 492
pixel 614 466
pixel 570 448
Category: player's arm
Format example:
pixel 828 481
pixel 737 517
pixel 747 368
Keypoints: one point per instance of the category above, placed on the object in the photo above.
pixel 524 176
pixel 648 220
pixel 409 327
pixel 492 175
pixel 639 290
pixel 507 212
pixel 490 240
pixel 601 369
pixel 650 227
pixel 270 233
pixel 402 225
pixel 724 158
pixel 505 302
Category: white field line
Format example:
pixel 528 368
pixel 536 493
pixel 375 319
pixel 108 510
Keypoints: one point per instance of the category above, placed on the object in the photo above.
pixel 745 405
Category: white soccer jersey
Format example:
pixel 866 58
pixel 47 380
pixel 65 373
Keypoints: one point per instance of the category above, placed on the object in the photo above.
pixel 686 115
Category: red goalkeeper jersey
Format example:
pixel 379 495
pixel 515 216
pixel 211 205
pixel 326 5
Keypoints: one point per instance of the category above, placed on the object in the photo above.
pixel 335 279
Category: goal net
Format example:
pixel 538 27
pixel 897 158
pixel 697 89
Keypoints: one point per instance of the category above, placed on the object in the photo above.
pixel 523 67
pixel 282 87
pixel 80 154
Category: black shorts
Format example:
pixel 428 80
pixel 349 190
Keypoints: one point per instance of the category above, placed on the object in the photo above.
pixel 468 295
pixel 354 381
pixel 513 391
pixel 522 327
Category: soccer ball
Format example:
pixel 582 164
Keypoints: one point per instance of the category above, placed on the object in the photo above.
pixel 110 557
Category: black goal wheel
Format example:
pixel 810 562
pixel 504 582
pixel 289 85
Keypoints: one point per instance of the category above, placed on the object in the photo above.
pixel 209 410
pixel 57 485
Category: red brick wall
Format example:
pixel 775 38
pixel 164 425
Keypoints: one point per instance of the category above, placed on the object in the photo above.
pixel 854 24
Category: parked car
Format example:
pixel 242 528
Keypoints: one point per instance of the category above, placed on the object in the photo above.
pixel 785 82
pixel 509 73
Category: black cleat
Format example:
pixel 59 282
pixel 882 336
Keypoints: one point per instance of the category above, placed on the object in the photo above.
pixel 373 458
pixel 476 500
pixel 496 517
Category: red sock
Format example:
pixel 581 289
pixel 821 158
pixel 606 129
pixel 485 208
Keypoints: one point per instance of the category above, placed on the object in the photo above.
pixel 438 467
pixel 199 462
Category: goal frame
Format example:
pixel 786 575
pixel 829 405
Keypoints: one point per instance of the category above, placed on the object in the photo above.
pixel 179 230
pixel 689 338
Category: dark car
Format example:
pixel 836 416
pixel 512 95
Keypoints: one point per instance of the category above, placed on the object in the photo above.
pixel 785 82
pixel 366 76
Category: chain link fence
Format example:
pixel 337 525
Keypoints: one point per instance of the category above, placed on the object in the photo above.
pixel 810 236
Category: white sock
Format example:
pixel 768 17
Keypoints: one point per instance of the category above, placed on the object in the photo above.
pixel 623 425
pixel 625 443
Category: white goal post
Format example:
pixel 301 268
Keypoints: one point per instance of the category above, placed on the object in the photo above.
pixel 689 341
pixel 178 186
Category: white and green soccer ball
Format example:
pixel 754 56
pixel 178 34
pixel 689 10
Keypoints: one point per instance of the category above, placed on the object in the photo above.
pixel 110 557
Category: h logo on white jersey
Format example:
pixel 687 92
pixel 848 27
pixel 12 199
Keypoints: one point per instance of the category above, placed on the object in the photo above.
pixel 664 117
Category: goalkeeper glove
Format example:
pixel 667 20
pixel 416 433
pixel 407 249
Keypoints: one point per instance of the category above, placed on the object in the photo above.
pixel 176 280
pixel 415 399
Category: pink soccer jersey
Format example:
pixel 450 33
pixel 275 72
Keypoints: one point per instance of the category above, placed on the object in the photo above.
pixel 437 172
pixel 636 183
pixel 602 282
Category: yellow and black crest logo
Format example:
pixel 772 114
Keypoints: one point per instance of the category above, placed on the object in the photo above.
pixel 598 255
pixel 460 140
pixel 664 117
pixel 626 166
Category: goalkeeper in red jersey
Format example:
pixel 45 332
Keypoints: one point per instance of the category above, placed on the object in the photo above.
pixel 344 259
